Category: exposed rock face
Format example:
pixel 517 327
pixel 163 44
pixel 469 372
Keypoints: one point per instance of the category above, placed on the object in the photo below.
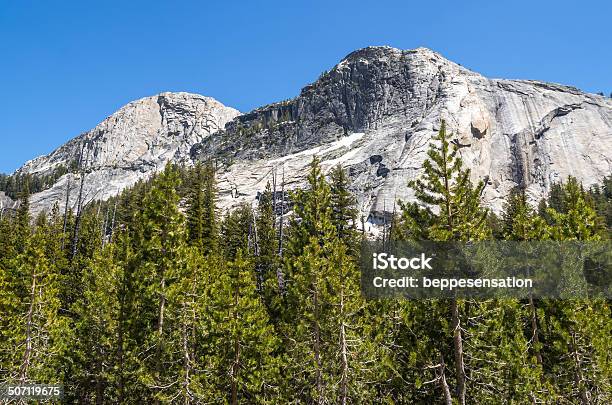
pixel 375 113
pixel 133 143
pixel 6 203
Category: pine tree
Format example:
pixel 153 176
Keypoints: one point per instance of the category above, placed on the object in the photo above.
pixel 23 220
pixel 87 245
pixel 35 341
pixel 451 211
pixel 162 262
pixel 239 355
pixel 329 354
pixel 312 212
pixel 201 215
pixel 447 186
pixel 237 231
pixel 577 219
pixel 344 214
pixel 267 262
pixel 577 331
pixel 520 222
pixel 98 314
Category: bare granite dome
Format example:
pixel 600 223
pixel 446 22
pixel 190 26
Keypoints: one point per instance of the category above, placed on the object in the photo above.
pixel 133 143
pixel 375 113
pixel 377 110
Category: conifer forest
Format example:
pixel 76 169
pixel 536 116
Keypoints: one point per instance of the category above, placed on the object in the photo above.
pixel 156 296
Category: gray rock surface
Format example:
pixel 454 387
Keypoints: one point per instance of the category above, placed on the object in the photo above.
pixel 375 113
pixel 6 203
pixel 132 144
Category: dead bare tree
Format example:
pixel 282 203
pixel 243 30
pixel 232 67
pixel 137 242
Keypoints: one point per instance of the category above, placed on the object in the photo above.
pixel 105 226
pixel 67 202
pixel 79 214
pixel 578 374
pixel 440 379
pixel 443 384
pixel 279 272
pixel 258 268
pixel 236 362
pixel 535 334
pixel 458 346
pixel 343 353
pixel 112 228
pixel 274 196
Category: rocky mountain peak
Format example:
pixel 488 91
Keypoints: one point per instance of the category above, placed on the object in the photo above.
pixel 375 114
pixel 377 110
pixel 371 53
pixel 384 53
pixel 131 144
pixel 143 132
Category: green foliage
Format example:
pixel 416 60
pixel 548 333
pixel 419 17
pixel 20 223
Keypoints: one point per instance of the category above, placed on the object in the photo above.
pixel 474 338
pixel 14 185
pixel 34 340
pixel 167 300
pixel 267 261
pixel 576 218
pixel 328 350
pixel 446 185
pixel 237 230
pixel 240 342
pixel 201 215
pixel 520 221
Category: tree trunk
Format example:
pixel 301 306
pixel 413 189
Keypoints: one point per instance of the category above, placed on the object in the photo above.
pixel 258 268
pixel 112 230
pixel 186 360
pixel 27 354
pixel 66 211
pixel 458 346
pixel 534 329
pixel 121 382
pixel 578 377
pixel 77 222
pixel 104 227
pixel 274 197
pixel 160 330
pixel 343 354
pixel 363 227
pixel 236 365
pixel 443 384
pixel 99 382
pixel 317 347
pixel 279 272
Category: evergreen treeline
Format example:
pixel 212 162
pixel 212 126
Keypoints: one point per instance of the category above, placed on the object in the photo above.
pixel 14 185
pixel 156 297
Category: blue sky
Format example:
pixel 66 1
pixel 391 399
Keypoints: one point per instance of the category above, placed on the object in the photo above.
pixel 66 65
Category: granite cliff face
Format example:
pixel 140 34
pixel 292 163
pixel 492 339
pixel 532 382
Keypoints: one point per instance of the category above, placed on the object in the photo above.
pixel 132 144
pixel 6 203
pixel 374 113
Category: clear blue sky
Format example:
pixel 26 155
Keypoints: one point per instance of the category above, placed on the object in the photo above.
pixel 66 65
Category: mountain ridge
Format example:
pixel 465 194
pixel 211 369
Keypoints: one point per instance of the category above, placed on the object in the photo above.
pixel 374 112
pixel 399 98
pixel 131 144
